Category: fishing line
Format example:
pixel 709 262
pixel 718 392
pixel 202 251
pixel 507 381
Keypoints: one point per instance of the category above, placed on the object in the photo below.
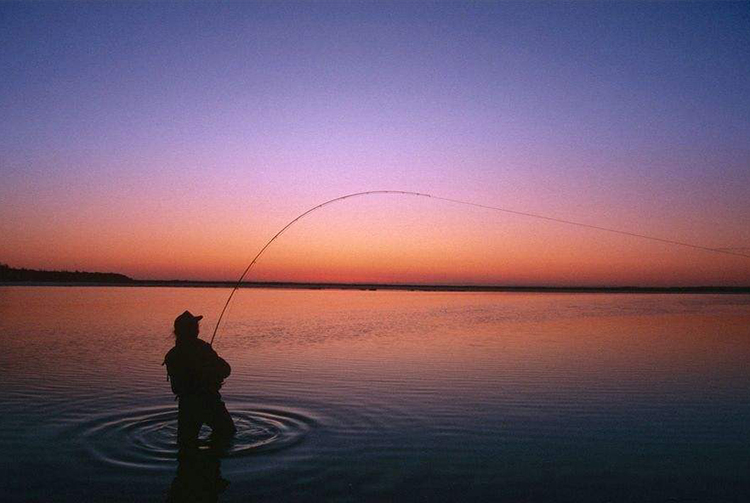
pixel 465 203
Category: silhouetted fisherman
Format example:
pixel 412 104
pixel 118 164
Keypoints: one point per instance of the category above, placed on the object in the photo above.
pixel 196 373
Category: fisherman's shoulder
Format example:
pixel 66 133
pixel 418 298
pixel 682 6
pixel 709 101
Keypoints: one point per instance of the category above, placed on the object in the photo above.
pixel 172 355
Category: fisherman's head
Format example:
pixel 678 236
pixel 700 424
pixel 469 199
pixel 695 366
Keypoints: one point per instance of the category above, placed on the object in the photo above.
pixel 186 326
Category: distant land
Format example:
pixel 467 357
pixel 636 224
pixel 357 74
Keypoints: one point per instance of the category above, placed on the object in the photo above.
pixel 10 276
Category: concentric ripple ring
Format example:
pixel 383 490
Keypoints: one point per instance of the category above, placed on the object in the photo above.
pixel 146 438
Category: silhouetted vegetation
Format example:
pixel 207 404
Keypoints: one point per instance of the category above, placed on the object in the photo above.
pixel 12 275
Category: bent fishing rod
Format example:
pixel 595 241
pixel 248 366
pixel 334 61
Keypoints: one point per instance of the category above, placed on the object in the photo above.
pixel 465 203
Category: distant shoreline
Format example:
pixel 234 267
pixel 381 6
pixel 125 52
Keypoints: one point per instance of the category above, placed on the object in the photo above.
pixel 10 276
pixel 393 287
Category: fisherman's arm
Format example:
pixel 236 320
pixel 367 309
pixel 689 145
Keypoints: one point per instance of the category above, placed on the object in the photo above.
pixel 218 365
pixel 222 367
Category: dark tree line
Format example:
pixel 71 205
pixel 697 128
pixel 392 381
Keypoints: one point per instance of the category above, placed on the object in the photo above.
pixel 12 275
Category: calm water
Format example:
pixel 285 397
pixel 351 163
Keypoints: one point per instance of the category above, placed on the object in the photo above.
pixel 384 396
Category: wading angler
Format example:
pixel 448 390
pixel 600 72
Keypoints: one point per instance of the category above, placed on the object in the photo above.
pixel 196 373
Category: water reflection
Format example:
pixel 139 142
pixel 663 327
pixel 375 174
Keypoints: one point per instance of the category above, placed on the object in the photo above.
pixel 198 478
pixel 382 396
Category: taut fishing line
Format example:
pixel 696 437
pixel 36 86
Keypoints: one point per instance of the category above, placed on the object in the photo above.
pixel 465 203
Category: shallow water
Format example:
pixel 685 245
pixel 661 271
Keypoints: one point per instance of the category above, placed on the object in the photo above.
pixel 383 396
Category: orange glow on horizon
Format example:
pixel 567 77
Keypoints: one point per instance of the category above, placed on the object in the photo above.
pixel 389 241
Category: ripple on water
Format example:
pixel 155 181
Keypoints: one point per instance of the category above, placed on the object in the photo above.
pixel 145 438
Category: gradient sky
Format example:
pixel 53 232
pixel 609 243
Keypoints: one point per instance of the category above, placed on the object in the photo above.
pixel 173 140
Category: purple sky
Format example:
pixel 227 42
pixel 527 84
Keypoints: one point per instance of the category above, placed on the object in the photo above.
pixel 134 136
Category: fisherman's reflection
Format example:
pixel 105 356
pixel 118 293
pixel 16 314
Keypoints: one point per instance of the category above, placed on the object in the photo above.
pixel 198 477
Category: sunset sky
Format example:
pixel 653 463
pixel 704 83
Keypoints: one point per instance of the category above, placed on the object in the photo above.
pixel 173 140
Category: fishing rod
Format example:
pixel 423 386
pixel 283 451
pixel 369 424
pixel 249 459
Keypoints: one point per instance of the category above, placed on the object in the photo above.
pixel 465 203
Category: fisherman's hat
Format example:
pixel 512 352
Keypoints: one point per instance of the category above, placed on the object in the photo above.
pixel 186 319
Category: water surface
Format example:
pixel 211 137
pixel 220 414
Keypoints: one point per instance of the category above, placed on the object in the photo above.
pixel 384 395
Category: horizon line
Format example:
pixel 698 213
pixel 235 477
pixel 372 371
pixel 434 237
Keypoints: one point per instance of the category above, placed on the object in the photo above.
pixel 38 277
